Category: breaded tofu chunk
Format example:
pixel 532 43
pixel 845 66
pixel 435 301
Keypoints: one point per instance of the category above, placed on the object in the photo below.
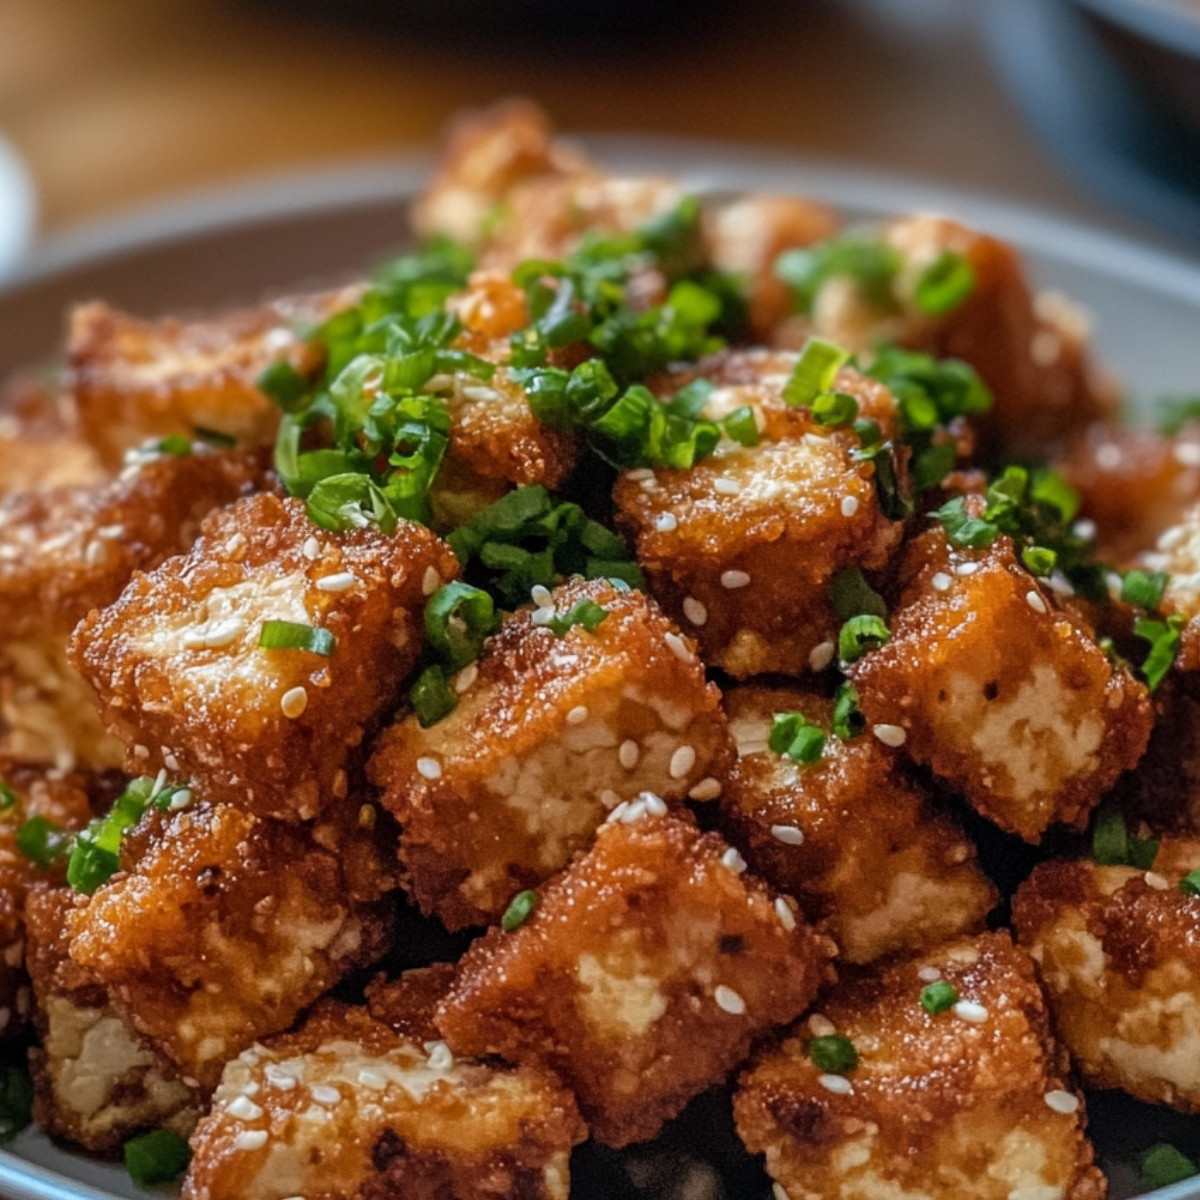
pixel 552 731
pixel 66 550
pixel 1119 953
pixel 186 685
pixel 95 1082
pixel 642 975
pixel 991 682
pixel 346 1109
pixel 40 442
pixel 133 380
pixel 225 926
pixel 1177 552
pixel 741 548
pixel 853 838
pixel 968 1103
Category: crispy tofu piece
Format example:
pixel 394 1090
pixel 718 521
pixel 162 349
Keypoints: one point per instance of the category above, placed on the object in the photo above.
pixel 1177 552
pixel 642 976
pixel 40 442
pixel 994 685
pixel 346 1109
pixel 67 550
pixel 968 1104
pixel 550 733
pixel 227 925
pixel 406 1005
pixel 1119 953
pixel 133 380
pixel 741 548
pixel 853 838
pixel 185 685
pixel 95 1082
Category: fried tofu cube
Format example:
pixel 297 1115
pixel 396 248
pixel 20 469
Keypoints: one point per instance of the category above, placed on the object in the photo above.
pixel 134 380
pixel 1117 949
pixel 67 550
pixel 227 925
pixel 971 1103
pixel 991 682
pixel 1177 553
pixel 851 836
pixel 741 548
pixel 40 442
pixel 407 1005
pixel 551 732
pixel 186 685
pixel 346 1109
pixel 642 975
pixel 95 1082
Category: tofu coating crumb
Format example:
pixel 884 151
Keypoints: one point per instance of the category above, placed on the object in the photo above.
pixel 852 837
pixel 1010 701
pixel 741 548
pixel 981 1091
pixel 177 663
pixel 1119 954
pixel 346 1109
pixel 641 978
pixel 225 926
pixel 552 734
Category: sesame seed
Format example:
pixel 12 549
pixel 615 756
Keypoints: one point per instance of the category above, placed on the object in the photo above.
pixel 114 532
pixel 160 782
pixel 180 800
pixel 682 761
pixel 734 579
pixel 372 1079
pixel 733 860
pixel 169 760
pixel 965 569
pixel 618 814
pixel 540 595
pixel 1159 883
pixel 726 487
pixel 629 754
pixel 656 806
pixel 578 715
pixel 325 1095
pixel 609 798
pixel 1061 1101
pixel 250 1139
pixel 430 581
pixel 890 735
pixel 649 485
pixel 839 1085
pixel 678 647
pixel 141 751
pixel 429 768
pixel 293 702
pixel 941 582
pixel 820 1025
pixel 236 546
pixel 1187 454
pixel 849 506
pixel 968 1010
pixel 728 1000
pixel 1034 599
pixel 928 974
pixel 343 581
pixel 224 633
pixel 639 473
pixel 694 610
pixel 440 1057
pixel 635 812
pixel 1109 456
pixel 821 655
pixel 783 910
pixel 96 553
pixel 706 789
pixel 366 816
pixel 543 616
pixel 789 835
pixel 244 1109
pixel 479 392
pixel 439 382
pixel 667 523
pixel 1085 528
pixel 465 679
pixel 311 549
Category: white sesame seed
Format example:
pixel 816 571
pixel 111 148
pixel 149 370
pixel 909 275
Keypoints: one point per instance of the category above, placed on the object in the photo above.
pixel 849 506
pixel 728 1000
pixel 235 547
pixel 465 679
pixel 635 811
pixel 223 633
pixel 678 647
pixel 430 581
pixel 1109 456
pixel 1061 1101
pixel 544 615
pixel 733 860
pixel 293 702
pixel 325 1095
pixel 439 382
pixel 789 835
pixel 734 579
pixel 244 1109
pixel 1034 599
pixel 343 581
pixel 783 910
pixel 113 532
pixel 479 392
pixel 819 1025
pixel 440 1058
pixel 170 761
pixel 724 486
pixel 96 553
pixel 890 735
pixel 968 1010
pixel 941 582
pixel 1159 883
pixel 1084 528
pixel 639 473
pixel 928 974
pixel 779 1192
pixel 839 1085
pixel 821 655
pixel 578 714
pixel 649 485
pixel 682 761
pixel 1187 454
pixel 141 751
pixel 656 806
pixel 250 1139
pixel 372 1079
pixel 429 768
pixel 667 523
pixel 706 789
pixel 609 799
pixel 629 754
pixel 160 782
pixel 311 549
pixel 180 800
pixel 965 569
pixel 694 610
pixel 540 595
pixel 618 814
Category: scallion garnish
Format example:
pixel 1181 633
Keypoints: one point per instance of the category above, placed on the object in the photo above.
pixel 156 1157
pixel 42 841
pixel 1164 638
pixel 795 738
pixel 851 594
pixel 742 426
pixel 1144 589
pixel 1039 560
pixel 860 635
pixel 833 1053
pixel 458 619
pixel 96 851
pixel 587 614
pixel 1189 885
pixel 848 720
pixel 16 1101
pixel 292 635
pixel 432 696
pixel 835 409
pixel 8 798
pixel 814 372
pixel 518 911
pixel 175 444
pixel 944 284
pixel 938 997
pixel 283 384
pixel 1114 846
pixel 1163 1164
pixel 872 265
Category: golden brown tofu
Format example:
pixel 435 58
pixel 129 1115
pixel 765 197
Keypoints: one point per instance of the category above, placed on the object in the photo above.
pixel 550 734
pixel 991 682
pixel 407 1005
pixel 971 1103
pixel 185 684
pixel 1177 552
pixel 642 976
pixel 1118 950
pixel 95 1082
pixel 40 442
pixel 852 837
pixel 133 380
pixel 225 926
pixel 66 550
pixel 741 548
pixel 346 1109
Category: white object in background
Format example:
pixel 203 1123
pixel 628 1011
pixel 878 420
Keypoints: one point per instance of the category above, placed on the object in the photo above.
pixel 18 208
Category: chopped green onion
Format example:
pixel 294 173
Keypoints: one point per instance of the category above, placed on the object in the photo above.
pixel 283 384
pixel 1144 589
pixel 1114 846
pixel 848 720
pixel 214 437
pixel 156 1157
pixel 962 528
pixel 944 284
pixel 742 426
pixel 587 613
pixel 872 265
pixel 346 501
pixel 932 464
pixel 833 1054
pixel 1039 560
pixel 851 594
pixel 1189 885
pixel 938 997
pixel 16 1101
pixel 814 372
pixel 860 635
pixel 835 409
pixel 868 432
pixel 458 620
pixel 432 696
pixel 1164 638
pixel 1163 1164
pixel 42 841
pixel 292 635
pixel 793 736
pixel 175 444
pixel 517 913
pixel 8 798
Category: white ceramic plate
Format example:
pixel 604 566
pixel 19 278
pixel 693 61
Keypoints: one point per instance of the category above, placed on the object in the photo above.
pixel 17 209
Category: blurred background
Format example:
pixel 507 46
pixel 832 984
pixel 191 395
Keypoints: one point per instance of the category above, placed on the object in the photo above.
pixel 112 104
